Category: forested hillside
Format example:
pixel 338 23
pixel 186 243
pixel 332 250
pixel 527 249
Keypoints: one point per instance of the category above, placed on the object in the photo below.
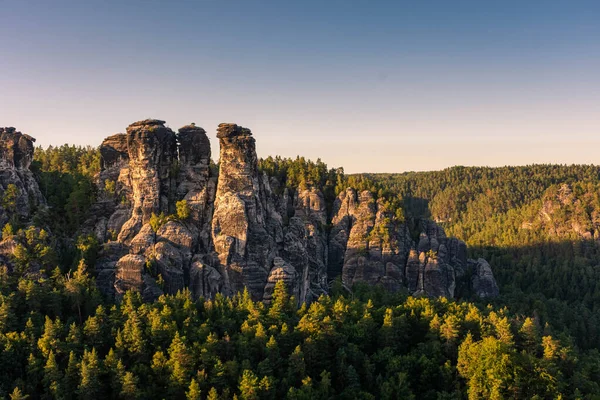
pixel 536 225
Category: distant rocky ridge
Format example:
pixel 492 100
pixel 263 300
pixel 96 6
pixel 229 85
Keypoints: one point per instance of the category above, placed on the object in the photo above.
pixel 244 231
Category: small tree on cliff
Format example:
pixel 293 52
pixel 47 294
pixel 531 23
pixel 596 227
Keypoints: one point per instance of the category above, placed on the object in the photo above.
pixel 9 198
pixel 157 221
pixel 183 210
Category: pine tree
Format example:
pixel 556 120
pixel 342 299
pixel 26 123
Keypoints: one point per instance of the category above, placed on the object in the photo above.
pixel 76 287
pixel 249 386
pixel 50 340
pixel 34 373
pixel 296 366
pixel 73 337
pixel 212 394
pixel 52 376
pixel 115 369
pixel 280 302
pixel 179 362
pixel 193 392
pixel 18 395
pixel 129 386
pixel 89 387
pixel 71 378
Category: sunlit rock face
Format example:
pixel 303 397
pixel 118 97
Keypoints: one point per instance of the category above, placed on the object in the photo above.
pixel 147 171
pixel 244 231
pixel 245 227
pixel 16 155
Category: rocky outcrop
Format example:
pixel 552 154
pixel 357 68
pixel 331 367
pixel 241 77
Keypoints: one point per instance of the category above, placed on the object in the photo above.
pixel 18 188
pixel 376 246
pixel 241 229
pixel 144 172
pixel 194 184
pixel 482 281
pixel 306 243
pixel 281 271
pixel 240 226
pixel 129 271
pixel 342 219
pixel 246 231
pixel 565 214
pixel 372 247
pixel 152 149
pixel 205 280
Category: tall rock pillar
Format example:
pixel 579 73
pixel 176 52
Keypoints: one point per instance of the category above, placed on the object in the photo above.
pixel 241 240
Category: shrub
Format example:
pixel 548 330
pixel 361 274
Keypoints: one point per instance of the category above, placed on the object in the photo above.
pixel 183 210
pixel 110 186
pixel 157 221
pixel 7 231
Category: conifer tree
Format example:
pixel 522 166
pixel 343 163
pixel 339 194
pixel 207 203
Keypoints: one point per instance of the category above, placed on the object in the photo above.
pixel 193 392
pixel 52 376
pixel 90 385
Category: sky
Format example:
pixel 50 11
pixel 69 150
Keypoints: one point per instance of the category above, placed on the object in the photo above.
pixel 373 86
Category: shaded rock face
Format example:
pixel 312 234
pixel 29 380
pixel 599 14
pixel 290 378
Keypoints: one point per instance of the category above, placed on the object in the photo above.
pixel 205 281
pixel 246 232
pixel 16 154
pixel 194 184
pixel 281 271
pixel 305 241
pixel 483 282
pixel 368 246
pixel 376 248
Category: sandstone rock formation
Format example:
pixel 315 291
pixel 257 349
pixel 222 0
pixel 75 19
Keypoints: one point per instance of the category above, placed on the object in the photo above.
pixel 376 247
pixel 240 226
pixel 244 231
pixel 145 172
pixel 368 246
pixel 483 282
pixel 16 179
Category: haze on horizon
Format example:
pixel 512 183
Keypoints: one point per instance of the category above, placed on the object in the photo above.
pixel 371 86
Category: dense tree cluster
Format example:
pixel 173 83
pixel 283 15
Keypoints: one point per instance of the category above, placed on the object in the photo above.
pixel 66 178
pixel 58 340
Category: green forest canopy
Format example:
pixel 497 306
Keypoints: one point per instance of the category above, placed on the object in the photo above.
pixel 60 339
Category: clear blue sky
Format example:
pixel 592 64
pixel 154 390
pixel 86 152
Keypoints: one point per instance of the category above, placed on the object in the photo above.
pixel 368 85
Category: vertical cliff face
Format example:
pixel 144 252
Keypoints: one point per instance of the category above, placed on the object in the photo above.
pixel 16 154
pixel 482 281
pixel 310 240
pixel 152 149
pixel 377 246
pixel 368 245
pixel 344 209
pixel 147 171
pixel 194 184
pixel 239 227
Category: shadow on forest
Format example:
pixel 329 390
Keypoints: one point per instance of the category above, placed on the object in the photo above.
pixel 558 281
